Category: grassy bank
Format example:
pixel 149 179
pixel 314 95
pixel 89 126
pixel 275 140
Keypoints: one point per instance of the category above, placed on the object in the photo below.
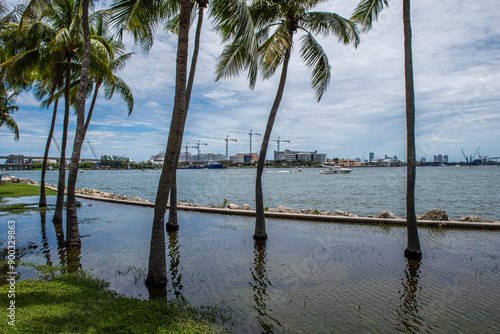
pixel 22 189
pixel 77 303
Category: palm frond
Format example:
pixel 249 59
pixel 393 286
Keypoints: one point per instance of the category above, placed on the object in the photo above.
pixel 140 17
pixel 234 60
pixel 316 59
pixel 367 12
pixel 125 93
pixel 9 122
pixel 119 63
pixel 173 24
pixel 326 23
pixel 272 51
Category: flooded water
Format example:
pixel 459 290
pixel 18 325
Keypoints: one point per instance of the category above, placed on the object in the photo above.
pixel 461 191
pixel 309 277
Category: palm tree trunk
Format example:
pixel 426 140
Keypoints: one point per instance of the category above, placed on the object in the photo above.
pixel 43 199
pixel 413 247
pixel 157 267
pixel 91 109
pixel 260 221
pixel 72 230
pixel 173 224
pixel 58 215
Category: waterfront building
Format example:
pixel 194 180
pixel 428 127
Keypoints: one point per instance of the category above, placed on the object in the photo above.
pixel 244 158
pixel 349 162
pixel 372 156
pixel 300 155
pixel 15 159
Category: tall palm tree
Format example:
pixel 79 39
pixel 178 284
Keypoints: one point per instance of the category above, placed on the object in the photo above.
pixel 142 17
pixel 57 24
pixel 44 68
pixel 365 14
pixel 172 224
pixel 284 19
pixel 72 230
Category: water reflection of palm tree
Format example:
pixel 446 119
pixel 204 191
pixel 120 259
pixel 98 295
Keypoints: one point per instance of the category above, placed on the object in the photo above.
pixel 173 253
pixel 409 310
pixel 61 248
pixel 45 240
pixel 260 284
pixel 73 256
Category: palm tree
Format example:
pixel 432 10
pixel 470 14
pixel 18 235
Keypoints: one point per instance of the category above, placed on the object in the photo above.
pixel 284 19
pixel 365 14
pixel 72 230
pixel 142 17
pixel 172 224
pixel 57 25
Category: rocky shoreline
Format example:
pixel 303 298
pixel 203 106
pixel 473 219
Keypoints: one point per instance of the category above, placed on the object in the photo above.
pixel 431 215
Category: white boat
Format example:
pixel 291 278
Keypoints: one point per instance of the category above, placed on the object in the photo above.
pixel 334 170
pixel 297 170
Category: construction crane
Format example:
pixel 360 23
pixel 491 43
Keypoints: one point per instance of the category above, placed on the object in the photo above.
pixel 198 145
pixel 250 134
pixel 280 141
pixel 471 157
pixel 57 145
pixel 186 147
pixel 227 139
pixel 93 151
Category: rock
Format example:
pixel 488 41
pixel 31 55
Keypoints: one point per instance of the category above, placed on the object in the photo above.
pixel 280 208
pixel 326 213
pixel 436 215
pixel 387 214
pixel 233 206
pixel 308 211
pixel 291 210
pixel 340 213
pixel 475 219
pixel 371 216
pixel 272 210
pixel 245 207
pixel 353 215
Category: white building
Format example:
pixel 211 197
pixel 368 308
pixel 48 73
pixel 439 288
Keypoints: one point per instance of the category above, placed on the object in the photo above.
pixel 300 155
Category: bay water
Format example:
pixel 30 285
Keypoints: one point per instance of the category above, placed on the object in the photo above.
pixel 461 191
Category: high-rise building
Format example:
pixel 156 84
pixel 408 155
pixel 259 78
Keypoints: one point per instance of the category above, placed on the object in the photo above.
pixel 372 156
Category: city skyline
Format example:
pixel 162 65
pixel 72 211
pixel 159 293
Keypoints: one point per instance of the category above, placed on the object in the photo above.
pixel 456 80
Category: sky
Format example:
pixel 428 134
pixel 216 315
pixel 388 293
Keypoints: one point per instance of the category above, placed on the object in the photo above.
pixel 456 60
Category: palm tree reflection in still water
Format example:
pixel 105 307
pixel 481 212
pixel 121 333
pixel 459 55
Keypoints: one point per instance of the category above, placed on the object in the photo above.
pixel 174 255
pixel 259 285
pixel 410 310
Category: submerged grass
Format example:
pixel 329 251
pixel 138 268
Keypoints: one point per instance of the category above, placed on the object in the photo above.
pixel 22 189
pixel 78 303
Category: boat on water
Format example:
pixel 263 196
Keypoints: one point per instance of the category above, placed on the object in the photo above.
pixel 332 169
pixel 297 170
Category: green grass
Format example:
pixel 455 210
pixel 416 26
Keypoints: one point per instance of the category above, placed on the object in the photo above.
pixel 78 303
pixel 20 208
pixel 22 189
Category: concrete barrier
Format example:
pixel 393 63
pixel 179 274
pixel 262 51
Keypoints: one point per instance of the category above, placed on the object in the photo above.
pixel 309 217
